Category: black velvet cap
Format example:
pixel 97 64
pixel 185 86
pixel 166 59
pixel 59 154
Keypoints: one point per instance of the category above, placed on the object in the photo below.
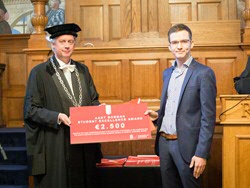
pixel 63 29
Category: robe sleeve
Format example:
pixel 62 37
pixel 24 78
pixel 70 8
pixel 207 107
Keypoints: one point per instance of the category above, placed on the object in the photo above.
pixel 35 111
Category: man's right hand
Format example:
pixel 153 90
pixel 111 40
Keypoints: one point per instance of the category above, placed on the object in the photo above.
pixel 63 118
pixel 152 114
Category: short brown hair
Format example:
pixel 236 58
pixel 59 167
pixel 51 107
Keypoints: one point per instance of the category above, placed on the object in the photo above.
pixel 179 27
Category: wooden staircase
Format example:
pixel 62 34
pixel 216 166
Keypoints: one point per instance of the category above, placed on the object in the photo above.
pixel 13 168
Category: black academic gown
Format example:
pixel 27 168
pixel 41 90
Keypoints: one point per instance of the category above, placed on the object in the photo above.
pixel 53 162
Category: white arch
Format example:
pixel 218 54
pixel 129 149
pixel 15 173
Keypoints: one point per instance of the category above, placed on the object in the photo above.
pixel 23 15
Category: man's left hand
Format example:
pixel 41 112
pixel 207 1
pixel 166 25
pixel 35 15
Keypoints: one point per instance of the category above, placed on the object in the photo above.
pixel 199 165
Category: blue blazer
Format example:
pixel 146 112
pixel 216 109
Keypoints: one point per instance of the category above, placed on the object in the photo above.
pixel 196 111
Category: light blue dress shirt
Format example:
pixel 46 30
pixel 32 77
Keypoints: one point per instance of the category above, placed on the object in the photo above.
pixel 174 88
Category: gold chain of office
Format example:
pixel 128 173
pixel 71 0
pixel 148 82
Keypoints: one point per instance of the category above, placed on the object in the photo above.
pixel 72 98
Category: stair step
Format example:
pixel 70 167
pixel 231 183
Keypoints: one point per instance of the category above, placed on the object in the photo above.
pixel 11 130
pixel 13 167
pixel 13 175
pixel 15 155
pixel 14 186
pixel 15 148
pixel 12 137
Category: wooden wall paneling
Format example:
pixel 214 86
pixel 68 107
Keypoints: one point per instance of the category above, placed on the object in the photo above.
pixel 110 75
pixel 115 22
pixel 126 81
pixel 242 161
pixel 101 20
pixel 126 18
pixel 108 80
pixel 15 65
pixel 13 78
pixel 14 88
pixel 93 19
pixel 145 79
pixel 209 11
pixel 13 43
pixel 237 147
pixel 164 18
pixel 224 69
pixel 202 10
pixel 194 11
pixel 145 22
pixel 232 9
pixel 150 19
pixel 70 11
pixel 215 32
pixel 13 108
pixel 153 20
pixel 107 22
pixel 144 16
pixel 181 11
pixel 136 16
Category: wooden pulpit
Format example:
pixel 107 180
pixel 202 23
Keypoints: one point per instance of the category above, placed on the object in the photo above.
pixel 235 119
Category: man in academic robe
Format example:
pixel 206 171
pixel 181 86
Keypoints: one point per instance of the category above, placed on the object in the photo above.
pixel 53 87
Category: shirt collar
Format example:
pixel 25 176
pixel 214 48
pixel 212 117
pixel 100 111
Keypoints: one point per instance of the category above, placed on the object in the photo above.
pixel 61 63
pixel 186 64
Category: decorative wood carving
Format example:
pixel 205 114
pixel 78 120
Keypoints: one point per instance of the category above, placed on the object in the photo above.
pixel 39 21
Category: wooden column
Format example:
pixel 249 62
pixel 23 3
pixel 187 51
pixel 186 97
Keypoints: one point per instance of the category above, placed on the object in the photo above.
pixel 236 141
pixel 39 21
pixel 2 67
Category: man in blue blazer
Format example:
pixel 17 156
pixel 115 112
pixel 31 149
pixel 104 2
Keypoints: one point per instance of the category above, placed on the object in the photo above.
pixel 187 114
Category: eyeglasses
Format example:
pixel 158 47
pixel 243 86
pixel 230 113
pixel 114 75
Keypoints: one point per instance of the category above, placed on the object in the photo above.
pixel 182 42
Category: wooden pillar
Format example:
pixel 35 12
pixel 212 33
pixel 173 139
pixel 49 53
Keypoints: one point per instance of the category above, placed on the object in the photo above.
pixel 39 21
pixel 2 67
